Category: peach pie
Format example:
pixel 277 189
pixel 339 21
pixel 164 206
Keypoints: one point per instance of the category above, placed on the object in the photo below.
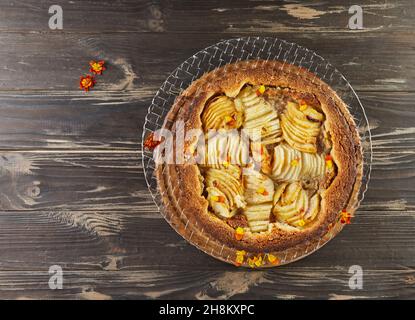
pixel 273 159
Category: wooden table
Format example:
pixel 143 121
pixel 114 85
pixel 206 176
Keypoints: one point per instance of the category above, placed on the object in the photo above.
pixel 72 191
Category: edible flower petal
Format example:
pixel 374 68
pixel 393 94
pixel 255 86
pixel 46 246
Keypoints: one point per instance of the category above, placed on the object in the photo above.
pixel 150 143
pixel 86 82
pixel 272 259
pixel 260 90
pixel 97 67
pixel 345 217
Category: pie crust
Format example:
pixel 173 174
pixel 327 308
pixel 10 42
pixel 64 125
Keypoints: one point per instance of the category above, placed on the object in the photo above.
pixel 183 186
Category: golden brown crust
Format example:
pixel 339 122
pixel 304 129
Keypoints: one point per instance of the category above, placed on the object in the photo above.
pixel 185 204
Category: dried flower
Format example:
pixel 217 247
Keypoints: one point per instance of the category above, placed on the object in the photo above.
pixel 329 162
pixel 294 162
pixel 301 223
pixel 240 256
pixel 272 259
pixel 260 90
pixel 255 261
pixel 86 82
pixel 239 233
pixel 345 217
pixel 97 67
pixel 230 121
pixel 150 143
pixel 261 190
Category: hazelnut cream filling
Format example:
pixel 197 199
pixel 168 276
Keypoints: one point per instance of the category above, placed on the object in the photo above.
pixel 278 177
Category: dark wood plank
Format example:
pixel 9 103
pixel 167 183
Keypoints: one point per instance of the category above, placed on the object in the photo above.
pixel 294 283
pixel 109 182
pixel 141 62
pixel 218 16
pixel 148 260
pixel 93 240
pixel 112 121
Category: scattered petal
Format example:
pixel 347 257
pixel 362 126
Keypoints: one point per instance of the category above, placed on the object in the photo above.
pixel 150 143
pixel 86 82
pixel 345 217
pixel 240 256
pixel 294 162
pixel 258 262
pixel 273 259
pixel 260 90
pixel 97 67
pixel 239 233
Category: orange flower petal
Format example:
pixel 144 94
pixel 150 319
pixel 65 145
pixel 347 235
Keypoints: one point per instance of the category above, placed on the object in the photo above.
pixel 239 233
pixel 260 90
pixel 221 199
pixel 240 256
pixel 294 162
pixel 150 143
pixel 251 262
pixel 238 236
pixel 329 164
pixel 258 261
pixel 97 67
pixel 260 190
pixel 86 82
pixel 328 157
pixel 345 217
pixel 272 259
pixel 240 252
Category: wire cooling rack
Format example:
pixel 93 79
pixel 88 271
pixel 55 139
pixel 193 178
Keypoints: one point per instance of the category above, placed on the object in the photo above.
pixel 208 59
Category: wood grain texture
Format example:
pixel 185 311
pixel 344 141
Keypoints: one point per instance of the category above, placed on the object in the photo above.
pixel 224 16
pixel 72 190
pixel 141 61
pixel 298 282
